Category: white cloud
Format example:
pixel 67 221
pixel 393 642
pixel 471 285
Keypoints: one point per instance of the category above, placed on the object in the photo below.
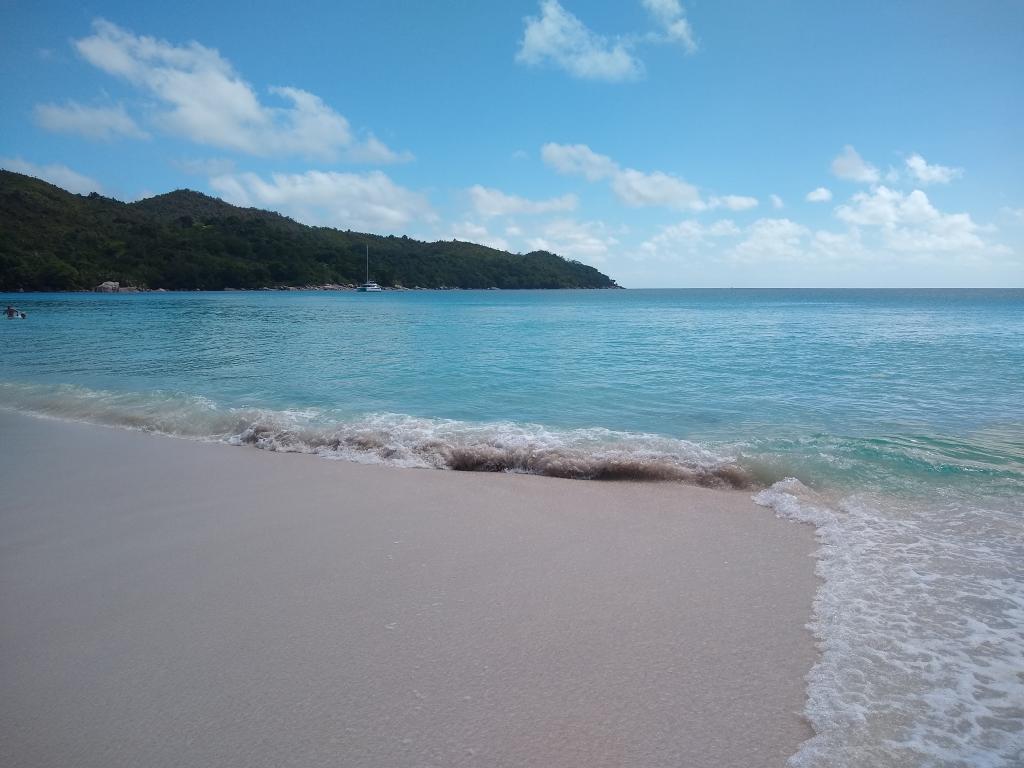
pixel 777 202
pixel 841 247
pixel 819 195
pixel 881 228
pixel 670 15
pixel 54 173
pixel 634 188
pixel 562 39
pixel 207 102
pixel 469 231
pixel 774 240
pixel 370 201
pixel 910 223
pixel 851 166
pixel 638 189
pixel 92 122
pixel 588 241
pixel 689 236
pixel 578 160
pixel 493 202
pixel 733 202
pixel 931 174
pixel 373 151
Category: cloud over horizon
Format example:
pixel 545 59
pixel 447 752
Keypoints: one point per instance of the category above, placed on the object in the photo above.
pixel 636 189
pixel 369 201
pixel 103 123
pixel 55 173
pixel 490 202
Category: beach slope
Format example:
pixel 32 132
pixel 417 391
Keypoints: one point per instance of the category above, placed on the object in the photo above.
pixel 169 603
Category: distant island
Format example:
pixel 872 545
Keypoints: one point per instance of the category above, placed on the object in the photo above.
pixel 53 240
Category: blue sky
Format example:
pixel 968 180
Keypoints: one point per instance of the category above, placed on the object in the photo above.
pixel 667 143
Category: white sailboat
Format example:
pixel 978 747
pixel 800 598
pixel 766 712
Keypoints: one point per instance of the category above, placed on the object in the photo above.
pixel 369 286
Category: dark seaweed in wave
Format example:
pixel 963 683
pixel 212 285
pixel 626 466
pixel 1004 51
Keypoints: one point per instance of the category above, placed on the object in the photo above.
pixel 622 463
pixel 577 466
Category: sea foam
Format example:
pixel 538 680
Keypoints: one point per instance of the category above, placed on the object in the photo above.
pixel 920 623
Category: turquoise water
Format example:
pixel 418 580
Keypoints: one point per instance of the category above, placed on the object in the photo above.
pixel 899 416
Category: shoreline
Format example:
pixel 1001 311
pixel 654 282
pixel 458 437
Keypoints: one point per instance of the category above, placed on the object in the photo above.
pixel 179 602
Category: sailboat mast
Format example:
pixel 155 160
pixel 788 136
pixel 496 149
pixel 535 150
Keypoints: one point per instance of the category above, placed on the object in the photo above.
pixel 367 261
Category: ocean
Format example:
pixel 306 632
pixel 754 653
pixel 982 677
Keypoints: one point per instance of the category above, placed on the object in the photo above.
pixel 892 420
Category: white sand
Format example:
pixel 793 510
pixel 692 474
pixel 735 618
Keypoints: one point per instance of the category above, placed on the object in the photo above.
pixel 170 603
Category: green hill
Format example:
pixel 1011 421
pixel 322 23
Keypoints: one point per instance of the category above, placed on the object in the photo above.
pixel 52 240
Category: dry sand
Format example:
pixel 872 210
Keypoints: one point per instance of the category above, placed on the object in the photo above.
pixel 171 603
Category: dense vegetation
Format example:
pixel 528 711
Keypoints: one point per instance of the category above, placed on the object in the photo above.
pixel 52 240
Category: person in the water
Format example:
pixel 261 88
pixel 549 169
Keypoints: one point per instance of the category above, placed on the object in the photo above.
pixel 12 313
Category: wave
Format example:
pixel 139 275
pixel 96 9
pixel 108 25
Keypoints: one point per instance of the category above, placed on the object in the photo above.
pixel 588 454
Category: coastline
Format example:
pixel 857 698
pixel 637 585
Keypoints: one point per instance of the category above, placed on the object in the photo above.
pixel 173 602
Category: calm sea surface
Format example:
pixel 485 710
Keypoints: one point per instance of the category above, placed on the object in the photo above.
pixel 893 420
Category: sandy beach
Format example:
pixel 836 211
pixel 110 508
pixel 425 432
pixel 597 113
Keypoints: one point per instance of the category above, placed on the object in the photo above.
pixel 174 603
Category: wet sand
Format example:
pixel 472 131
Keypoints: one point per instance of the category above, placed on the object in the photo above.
pixel 172 603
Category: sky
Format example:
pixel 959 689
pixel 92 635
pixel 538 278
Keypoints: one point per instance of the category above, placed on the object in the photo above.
pixel 738 143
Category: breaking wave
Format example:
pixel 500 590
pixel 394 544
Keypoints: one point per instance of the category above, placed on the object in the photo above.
pixel 589 454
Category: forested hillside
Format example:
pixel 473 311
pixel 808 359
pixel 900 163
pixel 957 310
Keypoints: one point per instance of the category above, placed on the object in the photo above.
pixel 53 240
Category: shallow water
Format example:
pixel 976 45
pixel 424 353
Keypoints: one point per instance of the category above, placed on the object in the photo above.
pixel 898 413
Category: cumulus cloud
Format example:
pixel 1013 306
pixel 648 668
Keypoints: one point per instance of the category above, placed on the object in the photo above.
pixel 54 173
pixel 370 201
pixel 733 202
pixel 103 123
pixel 775 240
pixel 687 237
pixel 851 166
pixel 588 241
pixel 636 188
pixel 841 247
pixel 561 39
pixel 777 202
pixel 819 195
pixel 206 101
pixel 909 222
pixel 470 231
pixel 578 160
pixel 880 226
pixel 670 16
pixel 493 202
pixel 931 174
